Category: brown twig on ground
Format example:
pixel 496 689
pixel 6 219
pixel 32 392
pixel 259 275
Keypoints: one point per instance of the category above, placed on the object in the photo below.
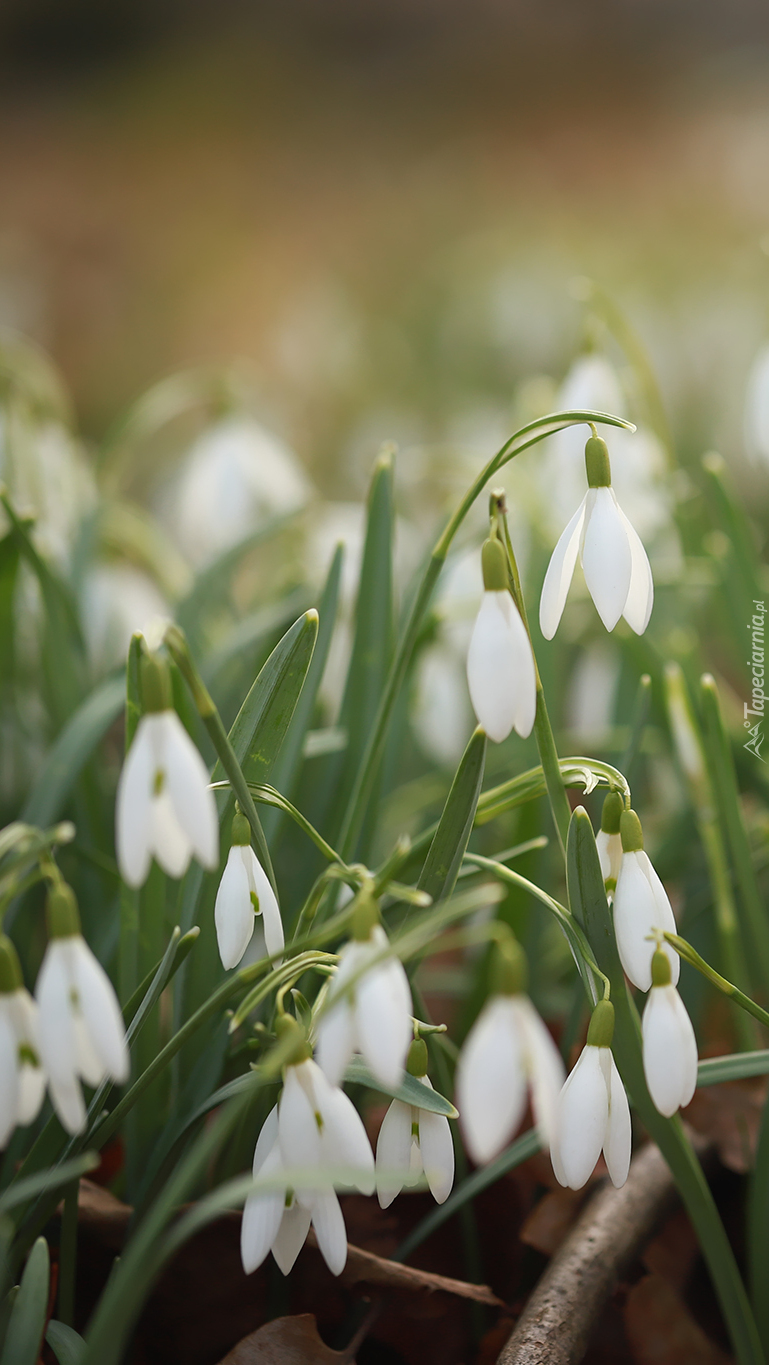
pixel 555 1326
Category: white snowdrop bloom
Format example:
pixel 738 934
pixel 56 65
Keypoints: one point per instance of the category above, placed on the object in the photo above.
pixel 500 665
pixel 642 909
pixel 412 1140
pixel 117 601
pixel 615 563
pixel 22 1079
pixel 245 892
pixel 593 1113
pixel 507 1052
pixel 47 474
pixel 609 840
pixel 368 1008
pixel 235 477
pixel 756 419
pixel 669 1044
pixel 314 1126
pixel 80 1025
pixel 441 714
pixel 165 806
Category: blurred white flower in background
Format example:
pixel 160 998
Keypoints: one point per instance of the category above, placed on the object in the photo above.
pixel 48 476
pixel 117 601
pixel 592 692
pixel 235 477
pixel 756 415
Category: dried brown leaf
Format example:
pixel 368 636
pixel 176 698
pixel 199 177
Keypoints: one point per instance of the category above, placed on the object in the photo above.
pixel 730 1116
pixel 550 1219
pixel 286 1341
pixel 662 1331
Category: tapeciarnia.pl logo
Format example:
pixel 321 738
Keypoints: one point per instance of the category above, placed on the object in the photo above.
pixel 758 697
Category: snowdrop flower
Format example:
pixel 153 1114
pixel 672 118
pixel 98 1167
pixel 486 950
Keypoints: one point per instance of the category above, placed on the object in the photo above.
pixel 593 1113
pixel 500 665
pixel 507 1050
pixel 370 1013
pixel 22 1079
pixel 757 409
pixel 609 841
pixel 669 1044
pixel 412 1140
pixel 80 1025
pixel 313 1126
pixel 616 567
pixel 245 892
pixel 165 806
pixel 641 908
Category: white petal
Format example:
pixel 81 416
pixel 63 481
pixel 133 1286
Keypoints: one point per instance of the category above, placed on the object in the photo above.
pixel 491 1084
pixel 57 1034
pixel 500 669
pixel 68 1102
pixel 583 1112
pixel 383 1017
pixel 543 1065
pixel 437 1153
pixel 291 1236
pixel 336 1040
pixel 330 1230
pixel 640 598
pixel 559 574
pixel 669 1048
pixel 9 1078
pixel 233 911
pixel 393 1151
pixel 268 904
pixel 89 1064
pixel 101 1012
pixel 606 558
pixel 609 854
pixel 261 1216
pixel 170 844
pixel 31 1092
pixel 639 909
pixel 297 1127
pixel 343 1138
pixel 193 801
pixel 266 1140
pixel 133 809
pixel 619 1132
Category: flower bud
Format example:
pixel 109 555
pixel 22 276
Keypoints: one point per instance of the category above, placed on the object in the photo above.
pixel 597 463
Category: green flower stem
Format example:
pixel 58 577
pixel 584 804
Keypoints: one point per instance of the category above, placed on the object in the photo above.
pixel 693 758
pixel 178 649
pixel 369 765
pixel 724 781
pixel 690 955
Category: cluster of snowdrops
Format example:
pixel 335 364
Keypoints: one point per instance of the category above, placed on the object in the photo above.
pixel 72 1031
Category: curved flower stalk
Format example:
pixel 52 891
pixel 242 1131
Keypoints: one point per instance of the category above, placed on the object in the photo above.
pixel 615 563
pixel 642 910
pixel 507 1051
pixel 22 1079
pixel 313 1126
pixel 368 1008
pixel 80 1025
pixel 245 893
pixel 593 1115
pixel 500 664
pixel 609 840
pixel 412 1140
pixel 669 1044
pixel 165 806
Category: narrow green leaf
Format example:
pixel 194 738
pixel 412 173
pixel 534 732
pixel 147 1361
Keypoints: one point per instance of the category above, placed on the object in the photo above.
pixel 45 1181
pixel 586 891
pixel 72 749
pixel 737 1066
pixel 25 1329
pixel 410 1091
pixel 444 857
pixel 67 1344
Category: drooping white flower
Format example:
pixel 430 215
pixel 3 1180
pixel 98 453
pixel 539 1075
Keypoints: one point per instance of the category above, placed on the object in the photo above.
pixel 756 419
pixel 368 1008
pixel 609 840
pixel 412 1140
pixel 642 910
pixel 165 806
pixel 22 1079
pixel 593 1113
pixel 81 1029
pixel 507 1052
pixel 245 892
pixel 615 563
pixel 669 1044
pixel 500 665
pixel 314 1126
